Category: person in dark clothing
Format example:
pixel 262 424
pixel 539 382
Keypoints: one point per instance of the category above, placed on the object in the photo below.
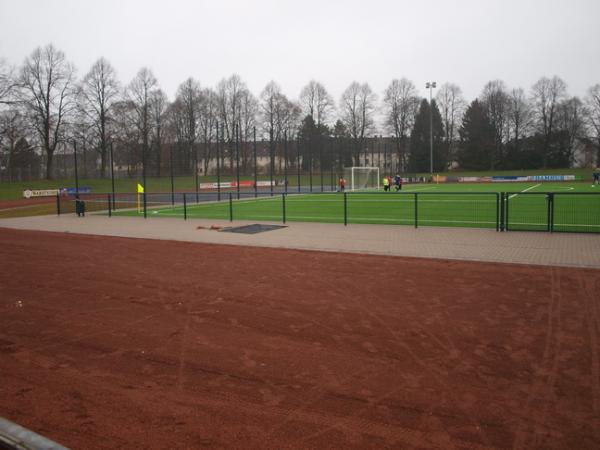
pixel 79 207
pixel 398 182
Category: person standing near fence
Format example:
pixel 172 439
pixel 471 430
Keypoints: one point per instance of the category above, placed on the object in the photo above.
pixel 596 175
pixel 342 183
pixel 79 207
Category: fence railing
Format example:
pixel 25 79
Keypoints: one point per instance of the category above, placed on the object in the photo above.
pixel 565 212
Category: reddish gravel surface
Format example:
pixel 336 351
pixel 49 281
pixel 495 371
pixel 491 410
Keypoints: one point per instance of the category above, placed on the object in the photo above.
pixel 131 343
pixel 7 204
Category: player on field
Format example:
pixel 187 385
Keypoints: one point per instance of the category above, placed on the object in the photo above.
pixel 386 184
pixel 398 182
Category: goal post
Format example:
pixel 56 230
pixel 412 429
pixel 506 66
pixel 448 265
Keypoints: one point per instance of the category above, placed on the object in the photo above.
pixel 361 178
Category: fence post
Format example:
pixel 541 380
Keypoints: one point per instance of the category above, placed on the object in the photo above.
pixel 552 216
pixel 416 210
pixel 551 212
pixel 58 204
pixel 283 200
pixel 230 207
pixel 497 212
pixel 506 221
pixel 184 207
pixel 501 211
pixel 345 209
pixel 109 208
pixel 145 203
pixel 548 206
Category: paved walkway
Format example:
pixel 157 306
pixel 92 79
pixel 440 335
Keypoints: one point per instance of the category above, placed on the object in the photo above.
pixel 560 249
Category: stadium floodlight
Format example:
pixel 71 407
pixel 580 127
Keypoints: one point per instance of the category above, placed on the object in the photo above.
pixel 430 85
pixel 362 178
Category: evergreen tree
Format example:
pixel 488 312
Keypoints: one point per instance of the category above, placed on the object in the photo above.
pixel 341 148
pixel 476 139
pixel 314 139
pixel 420 146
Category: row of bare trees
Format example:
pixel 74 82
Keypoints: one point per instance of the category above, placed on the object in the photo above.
pixel 44 107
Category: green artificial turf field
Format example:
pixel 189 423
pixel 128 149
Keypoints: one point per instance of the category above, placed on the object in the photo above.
pixel 576 207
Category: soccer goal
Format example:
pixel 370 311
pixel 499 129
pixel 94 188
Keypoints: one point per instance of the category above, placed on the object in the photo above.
pixel 361 178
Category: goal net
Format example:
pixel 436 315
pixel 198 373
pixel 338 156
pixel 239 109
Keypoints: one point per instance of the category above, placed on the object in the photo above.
pixel 361 178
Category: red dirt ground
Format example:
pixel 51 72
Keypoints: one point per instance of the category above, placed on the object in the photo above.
pixel 7 204
pixel 131 343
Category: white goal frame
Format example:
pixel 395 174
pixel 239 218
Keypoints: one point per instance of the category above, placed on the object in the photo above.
pixel 355 169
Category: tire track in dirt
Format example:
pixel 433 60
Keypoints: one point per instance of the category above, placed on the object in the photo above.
pixel 89 335
pixel 183 347
pixel 548 365
pixel 421 362
pixel 593 328
pixel 538 438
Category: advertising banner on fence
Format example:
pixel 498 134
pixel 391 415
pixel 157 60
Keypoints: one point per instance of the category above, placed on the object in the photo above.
pixel 233 184
pixel 73 191
pixel 551 178
pixel 28 193
pixel 509 178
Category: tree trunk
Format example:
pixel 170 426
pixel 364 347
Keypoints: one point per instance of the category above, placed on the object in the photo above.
pixel 49 160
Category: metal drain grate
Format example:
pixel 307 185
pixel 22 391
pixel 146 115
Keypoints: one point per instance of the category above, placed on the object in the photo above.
pixel 253 229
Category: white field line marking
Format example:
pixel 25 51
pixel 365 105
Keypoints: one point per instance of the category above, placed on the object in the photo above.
pixel 419 189
pixel 524 190
pixel 564 188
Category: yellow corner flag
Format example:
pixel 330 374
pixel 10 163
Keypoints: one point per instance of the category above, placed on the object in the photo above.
pixel 140 190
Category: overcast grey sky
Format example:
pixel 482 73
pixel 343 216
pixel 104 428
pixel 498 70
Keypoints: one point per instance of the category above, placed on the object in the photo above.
pixel 467 42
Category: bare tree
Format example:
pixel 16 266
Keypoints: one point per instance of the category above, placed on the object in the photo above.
pixel 12 128
pixel 158 108
pixel 82 131
pixel 495 100
pixel 452 106
pixel 277 112
pixel 592 103
pixel 7 83
pixel 230 92
pixel 139 93
pixel 519 117
pixel 401 103
pixel 47 94
pixel 357 106
pixel 316 102
pixel 126 135
pixel 546 95
pixel 189 98
pixel 570 122
pixel 208 121
pixel 99 91
pixel 248 113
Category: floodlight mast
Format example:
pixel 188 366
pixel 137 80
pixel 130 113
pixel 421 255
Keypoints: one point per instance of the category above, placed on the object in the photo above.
pixel 430 85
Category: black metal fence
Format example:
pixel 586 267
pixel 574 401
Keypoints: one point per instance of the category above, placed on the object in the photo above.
pixel 552 212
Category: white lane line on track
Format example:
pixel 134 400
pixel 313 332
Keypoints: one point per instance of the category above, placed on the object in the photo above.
pixel 524 190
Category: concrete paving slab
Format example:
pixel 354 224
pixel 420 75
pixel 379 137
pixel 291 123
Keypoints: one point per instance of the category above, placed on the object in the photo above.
pixel 555 249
